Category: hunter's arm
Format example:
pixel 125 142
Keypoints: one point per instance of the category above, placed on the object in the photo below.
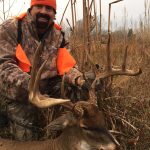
pixel 14 82
pixel 74 72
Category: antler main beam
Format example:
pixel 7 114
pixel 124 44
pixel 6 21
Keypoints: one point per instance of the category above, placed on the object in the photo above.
pixel 35 97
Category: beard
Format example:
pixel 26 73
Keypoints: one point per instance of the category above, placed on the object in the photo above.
pixel 43 21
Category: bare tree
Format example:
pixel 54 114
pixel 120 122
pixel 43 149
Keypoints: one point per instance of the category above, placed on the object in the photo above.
pixel 6 9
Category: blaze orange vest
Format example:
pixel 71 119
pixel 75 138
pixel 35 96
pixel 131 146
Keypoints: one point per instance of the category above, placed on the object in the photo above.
pixel 64 59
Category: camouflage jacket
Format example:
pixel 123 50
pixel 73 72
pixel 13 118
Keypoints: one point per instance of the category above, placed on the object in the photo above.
pixel 14 82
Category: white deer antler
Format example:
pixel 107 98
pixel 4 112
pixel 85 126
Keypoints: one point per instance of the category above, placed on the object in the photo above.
pixel 35 97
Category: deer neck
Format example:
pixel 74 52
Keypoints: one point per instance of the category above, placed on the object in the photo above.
pixel 71 139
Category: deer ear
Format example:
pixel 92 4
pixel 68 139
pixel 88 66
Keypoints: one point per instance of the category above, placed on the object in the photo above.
pixel 62 122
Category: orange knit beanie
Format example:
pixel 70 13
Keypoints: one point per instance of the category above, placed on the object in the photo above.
pixel 51 3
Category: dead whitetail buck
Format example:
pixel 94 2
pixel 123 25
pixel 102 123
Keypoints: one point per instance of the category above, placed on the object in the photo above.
pixel 83 127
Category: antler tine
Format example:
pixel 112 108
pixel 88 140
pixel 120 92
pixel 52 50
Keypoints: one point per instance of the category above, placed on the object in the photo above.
pixel 125 59
pixel 68 105
pixel 34 68
pixel 109 65
pixel 92 99
pixel 35 97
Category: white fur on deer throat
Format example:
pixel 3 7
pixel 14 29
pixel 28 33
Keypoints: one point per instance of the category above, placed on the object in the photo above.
pixel 65 123
pixel 83 145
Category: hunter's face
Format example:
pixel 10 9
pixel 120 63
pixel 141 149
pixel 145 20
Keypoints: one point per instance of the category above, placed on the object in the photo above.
pixel 43 16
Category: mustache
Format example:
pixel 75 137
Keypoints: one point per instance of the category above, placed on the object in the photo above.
pixel 45 16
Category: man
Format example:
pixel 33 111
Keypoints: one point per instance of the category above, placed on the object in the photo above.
pixel 19 38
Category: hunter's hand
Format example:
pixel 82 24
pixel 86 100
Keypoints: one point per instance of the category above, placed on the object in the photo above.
pixel 80 81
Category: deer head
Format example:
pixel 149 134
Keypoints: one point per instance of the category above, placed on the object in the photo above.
pixel 86 132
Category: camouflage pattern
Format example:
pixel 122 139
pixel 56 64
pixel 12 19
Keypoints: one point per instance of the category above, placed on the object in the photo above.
pixel 14 82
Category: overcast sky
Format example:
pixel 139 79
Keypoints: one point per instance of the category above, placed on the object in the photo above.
pixel 134 8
